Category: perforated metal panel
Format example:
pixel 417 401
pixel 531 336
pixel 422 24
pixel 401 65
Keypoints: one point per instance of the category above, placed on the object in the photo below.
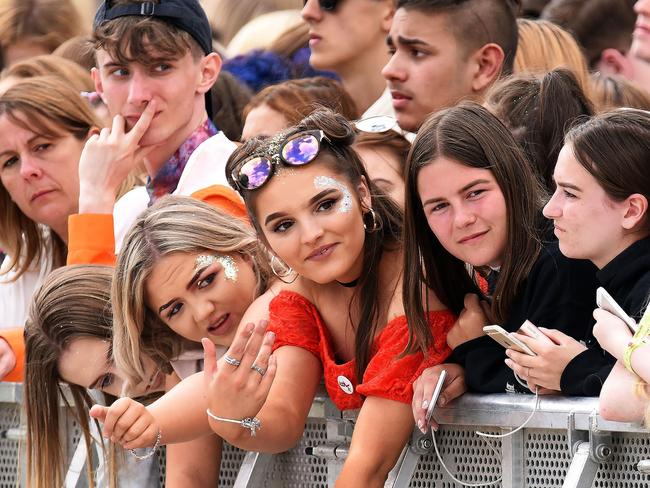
pixel 467 456
pixel 295 469
pixel 620 471
pixel 547 458
pixel 9 449
pixel 231 459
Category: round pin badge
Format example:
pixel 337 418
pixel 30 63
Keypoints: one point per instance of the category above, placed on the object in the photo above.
pixel 345 384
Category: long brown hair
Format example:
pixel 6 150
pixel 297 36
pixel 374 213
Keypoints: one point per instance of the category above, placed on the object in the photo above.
pixel 51 107
pixel 470 135
pixel 339 156
pixel 72 303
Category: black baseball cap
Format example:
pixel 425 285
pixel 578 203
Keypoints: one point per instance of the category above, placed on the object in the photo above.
pixel 187 15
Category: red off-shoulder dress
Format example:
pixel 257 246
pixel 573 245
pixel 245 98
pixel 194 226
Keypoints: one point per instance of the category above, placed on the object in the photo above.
pixel 296 322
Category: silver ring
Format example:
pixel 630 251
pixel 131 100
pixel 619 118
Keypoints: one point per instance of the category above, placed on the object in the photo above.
pixel 231 360
pixel 261 371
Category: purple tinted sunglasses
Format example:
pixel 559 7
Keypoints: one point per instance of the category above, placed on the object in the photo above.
pixel 298 150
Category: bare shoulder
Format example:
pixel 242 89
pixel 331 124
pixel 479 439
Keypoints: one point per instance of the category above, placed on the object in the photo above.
pixel 259 309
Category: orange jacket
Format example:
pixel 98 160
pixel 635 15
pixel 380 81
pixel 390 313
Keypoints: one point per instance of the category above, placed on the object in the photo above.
pixel 91 239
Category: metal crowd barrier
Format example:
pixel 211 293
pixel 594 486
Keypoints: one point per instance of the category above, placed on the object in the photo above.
pixel 565 444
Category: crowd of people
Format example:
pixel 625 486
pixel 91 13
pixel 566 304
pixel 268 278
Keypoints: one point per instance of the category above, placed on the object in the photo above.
pixel 195 238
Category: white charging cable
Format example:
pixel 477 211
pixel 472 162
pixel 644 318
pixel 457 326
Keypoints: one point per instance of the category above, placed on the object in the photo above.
pixel 487 438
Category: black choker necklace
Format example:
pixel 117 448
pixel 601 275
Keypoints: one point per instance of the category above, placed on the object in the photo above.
pixel 349 284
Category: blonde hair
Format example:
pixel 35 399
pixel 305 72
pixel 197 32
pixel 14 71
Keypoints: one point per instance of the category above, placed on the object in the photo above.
pixel 611 92
pixel 544 46
pixel 46 23
pixel 49 106
pixel 174 224
pixel 72 303
pixel 51 65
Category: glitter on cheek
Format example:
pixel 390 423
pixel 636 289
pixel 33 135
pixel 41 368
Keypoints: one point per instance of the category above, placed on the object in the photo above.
pixel 346 200
pixel 230 269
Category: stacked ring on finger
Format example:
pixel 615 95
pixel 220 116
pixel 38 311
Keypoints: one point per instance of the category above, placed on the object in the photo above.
pixel 231 360
pixel 258 369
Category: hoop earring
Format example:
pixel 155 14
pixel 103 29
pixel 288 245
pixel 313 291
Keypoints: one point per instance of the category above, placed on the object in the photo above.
pixel 286 270
pixel 375 226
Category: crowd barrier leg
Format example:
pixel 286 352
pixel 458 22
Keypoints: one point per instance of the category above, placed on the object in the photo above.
pixel 253 470
pixel 512 459
pixel 582 470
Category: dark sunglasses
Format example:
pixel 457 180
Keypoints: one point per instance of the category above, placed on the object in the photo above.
pixel 298 150
pixel 326 5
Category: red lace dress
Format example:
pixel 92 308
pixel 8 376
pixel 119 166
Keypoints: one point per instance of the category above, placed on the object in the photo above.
pixel 297 322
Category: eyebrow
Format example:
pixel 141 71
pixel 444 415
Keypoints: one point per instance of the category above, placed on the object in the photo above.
pixel 568 185
pixel 196 276
pixel 412 42
pixel 93 385
pixel 312 200
pixel 463 189
pixel 29 141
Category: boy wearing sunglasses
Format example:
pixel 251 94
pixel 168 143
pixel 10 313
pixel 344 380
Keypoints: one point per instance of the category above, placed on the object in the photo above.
pixel 348 38
pixel 155 69
pixel 444 51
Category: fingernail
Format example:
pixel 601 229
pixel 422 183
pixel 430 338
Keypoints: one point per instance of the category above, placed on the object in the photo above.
pixel 250 328
pixel 421 426
pixel 264 323
pixel 508 352
pixel 442 401
pixel 434 428
pixel 425 404
pixel 270 336
pixel 508 363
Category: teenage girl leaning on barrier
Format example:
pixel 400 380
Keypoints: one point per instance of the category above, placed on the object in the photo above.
pixel 342 315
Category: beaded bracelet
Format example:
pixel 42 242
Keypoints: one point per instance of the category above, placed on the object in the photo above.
pixel 253 424
pixel 150 453
pixel 632 346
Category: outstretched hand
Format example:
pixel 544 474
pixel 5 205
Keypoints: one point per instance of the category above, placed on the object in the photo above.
pixel 453 387
pixel 128 423
pixel 108 158
pixel 237 391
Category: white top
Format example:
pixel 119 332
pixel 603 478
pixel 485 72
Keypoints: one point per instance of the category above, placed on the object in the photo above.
pixel 15 296
pixel 382 106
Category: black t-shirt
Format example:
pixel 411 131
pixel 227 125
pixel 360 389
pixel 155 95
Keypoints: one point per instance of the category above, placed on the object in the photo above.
pixel 559 293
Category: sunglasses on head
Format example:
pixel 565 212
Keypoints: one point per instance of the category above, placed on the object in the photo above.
pixel 297 150
pixel 326 5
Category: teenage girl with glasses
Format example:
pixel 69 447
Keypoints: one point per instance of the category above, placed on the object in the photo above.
pixel 340 313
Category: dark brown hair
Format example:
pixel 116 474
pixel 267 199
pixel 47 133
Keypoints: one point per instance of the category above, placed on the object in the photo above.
pixel 295 99
pixel 596 24
pixel 614 148
pixel 144 40
pixel 470 135
pixel 539 110
pixel 476 23
pixel 339 156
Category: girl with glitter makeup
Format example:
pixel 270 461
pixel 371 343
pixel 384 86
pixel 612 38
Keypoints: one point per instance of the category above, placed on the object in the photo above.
pixel 340 313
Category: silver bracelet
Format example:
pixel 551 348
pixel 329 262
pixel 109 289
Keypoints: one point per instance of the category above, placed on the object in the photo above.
pixel 149 454
pixel 253 424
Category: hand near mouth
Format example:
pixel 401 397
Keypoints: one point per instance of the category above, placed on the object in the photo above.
pixel 108 158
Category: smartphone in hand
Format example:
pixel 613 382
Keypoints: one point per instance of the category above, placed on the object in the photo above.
pixel 529 329
pixel 507 340
pixel 436 394
pixel 605 301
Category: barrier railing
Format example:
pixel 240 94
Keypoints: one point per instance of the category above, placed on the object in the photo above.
pixel 566 443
